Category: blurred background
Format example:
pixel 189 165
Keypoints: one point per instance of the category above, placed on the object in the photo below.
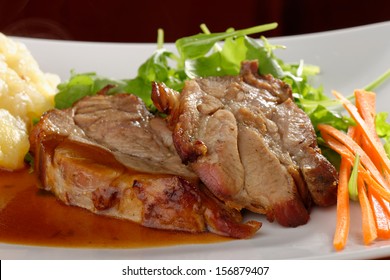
pixel 138 21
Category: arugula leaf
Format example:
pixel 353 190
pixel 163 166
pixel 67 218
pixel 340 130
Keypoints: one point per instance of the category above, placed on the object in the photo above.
pixel 141 87
pixel 208 66
pixel 382 127
pixel 383 130
pixel 267 61
pixel 81 85
pixel 224 61
pixel 322 114
pixel 199 45
pixel 195 59
pixel 234 51
pixel 212 60
pixel 156 68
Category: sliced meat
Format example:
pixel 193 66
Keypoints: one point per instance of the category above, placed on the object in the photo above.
pixel 123 125
pixel 250 144
pixel 109 155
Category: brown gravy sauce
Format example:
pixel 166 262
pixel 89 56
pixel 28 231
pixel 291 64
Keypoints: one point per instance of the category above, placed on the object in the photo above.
pixel 31 216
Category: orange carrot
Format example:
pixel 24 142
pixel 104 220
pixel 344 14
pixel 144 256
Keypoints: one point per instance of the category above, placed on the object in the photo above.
pixel 368 220
pixel 370 151
pixel 382 215
pixel 346 142
pixel 372 215
pixel 379 152
pixel 373 170
pixel 343 217
pixel 380 207
pixel 343 211
pixel 376 189
pixel 365 104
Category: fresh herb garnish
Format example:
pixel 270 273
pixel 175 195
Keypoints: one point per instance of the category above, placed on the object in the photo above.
pixel 81 85
pixel 383 130
pixel 197 56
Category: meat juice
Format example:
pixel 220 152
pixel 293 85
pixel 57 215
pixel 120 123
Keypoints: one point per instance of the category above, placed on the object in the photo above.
pixel 31 216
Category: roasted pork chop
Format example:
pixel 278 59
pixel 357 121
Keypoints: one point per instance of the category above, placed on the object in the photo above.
pixel 108 154
pixel 250 144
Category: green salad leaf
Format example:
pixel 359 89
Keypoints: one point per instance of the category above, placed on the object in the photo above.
pixel 199 45
pixel 383 130
pixel 81 85
pixel 198 56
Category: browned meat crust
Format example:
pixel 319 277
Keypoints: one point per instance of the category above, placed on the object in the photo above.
pixel 250 144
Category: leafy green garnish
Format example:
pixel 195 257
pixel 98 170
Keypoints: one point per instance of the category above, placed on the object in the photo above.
pixel 321 114
pixel 199 45
pixel 81 85
pixel 383 130
pixel 197 56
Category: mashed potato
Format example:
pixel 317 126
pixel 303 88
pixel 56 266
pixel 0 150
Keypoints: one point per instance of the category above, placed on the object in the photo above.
pixel 25 93
pixel 14 142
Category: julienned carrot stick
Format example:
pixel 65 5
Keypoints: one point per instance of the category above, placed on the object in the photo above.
pixel 379 205
pixel 343 212
pixel 328 132
pixel 365 104
pixel 379 150
pixel 368 220
pixel 370 174
pixel 355 133
pixel 373 186
pixel 382 215
pixel 343 217
pixel 362 142
pixel 370 151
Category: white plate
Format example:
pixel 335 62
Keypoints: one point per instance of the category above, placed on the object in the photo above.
pixel 349 59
